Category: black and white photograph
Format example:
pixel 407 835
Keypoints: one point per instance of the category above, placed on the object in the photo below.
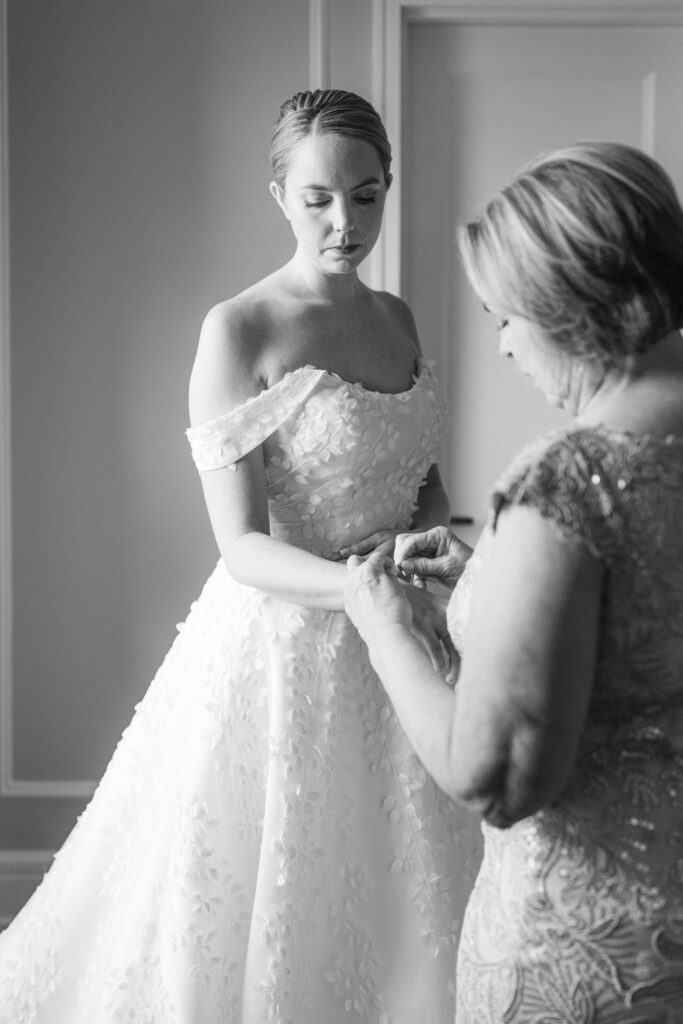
pixel 341 512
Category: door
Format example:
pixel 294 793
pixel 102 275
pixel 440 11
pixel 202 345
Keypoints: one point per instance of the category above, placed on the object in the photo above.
pixel 481 101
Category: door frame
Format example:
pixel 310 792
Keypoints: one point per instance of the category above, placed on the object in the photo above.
pixel 391 21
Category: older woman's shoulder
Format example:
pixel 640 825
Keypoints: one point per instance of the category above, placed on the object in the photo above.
pixel 593 482
pixel 589 452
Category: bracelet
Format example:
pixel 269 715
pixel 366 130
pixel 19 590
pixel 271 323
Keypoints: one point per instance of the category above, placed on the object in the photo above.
pixel 405 577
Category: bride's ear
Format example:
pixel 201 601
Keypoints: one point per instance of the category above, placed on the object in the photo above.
pixel 279 196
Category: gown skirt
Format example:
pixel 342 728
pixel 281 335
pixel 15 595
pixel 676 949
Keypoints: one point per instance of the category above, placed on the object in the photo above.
pixel 264 845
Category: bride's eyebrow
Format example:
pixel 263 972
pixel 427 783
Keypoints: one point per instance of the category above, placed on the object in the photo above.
pixel 364 184
pixel 326 188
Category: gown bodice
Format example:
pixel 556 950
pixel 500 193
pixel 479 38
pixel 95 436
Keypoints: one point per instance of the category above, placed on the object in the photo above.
pixel 341 460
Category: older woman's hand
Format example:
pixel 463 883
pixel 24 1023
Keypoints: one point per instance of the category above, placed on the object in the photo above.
pixel 434 554
pixel 377 602
pixel 429 626
pixel 374 598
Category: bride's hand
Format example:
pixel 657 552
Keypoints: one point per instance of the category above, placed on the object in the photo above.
pixel 434 554
pixel 381 541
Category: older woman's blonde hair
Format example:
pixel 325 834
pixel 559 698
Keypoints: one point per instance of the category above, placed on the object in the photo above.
pixel 586 241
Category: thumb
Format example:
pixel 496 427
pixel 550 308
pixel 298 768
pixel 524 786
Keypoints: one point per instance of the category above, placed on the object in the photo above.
pixel 379 560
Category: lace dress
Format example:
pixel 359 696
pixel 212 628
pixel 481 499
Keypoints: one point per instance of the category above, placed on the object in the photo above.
pixel 264 845
pixel 577 914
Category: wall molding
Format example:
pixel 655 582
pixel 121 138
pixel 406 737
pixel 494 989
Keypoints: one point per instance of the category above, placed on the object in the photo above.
pixel 391 21
pixel 21 871
pixel 5 436
pixel 319 44
pixel 9 786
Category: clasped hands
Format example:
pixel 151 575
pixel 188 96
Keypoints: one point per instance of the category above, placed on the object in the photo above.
pixel 378 599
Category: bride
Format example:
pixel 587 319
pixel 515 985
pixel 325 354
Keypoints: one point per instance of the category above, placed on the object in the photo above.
pixel 264 845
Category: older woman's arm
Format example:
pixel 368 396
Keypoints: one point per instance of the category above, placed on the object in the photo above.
pixel 505 741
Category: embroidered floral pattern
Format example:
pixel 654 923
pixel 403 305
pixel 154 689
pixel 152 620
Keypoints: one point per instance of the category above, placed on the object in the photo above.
pixel 264 846
pixel 577 915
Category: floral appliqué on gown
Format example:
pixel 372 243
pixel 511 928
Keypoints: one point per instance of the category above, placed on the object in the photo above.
pixel 264 845
pixel 577 914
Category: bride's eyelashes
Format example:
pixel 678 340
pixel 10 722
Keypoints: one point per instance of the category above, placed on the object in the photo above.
pixel 363 200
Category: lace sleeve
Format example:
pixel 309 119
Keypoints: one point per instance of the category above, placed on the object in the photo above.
pixel 569 480
pixel 219 443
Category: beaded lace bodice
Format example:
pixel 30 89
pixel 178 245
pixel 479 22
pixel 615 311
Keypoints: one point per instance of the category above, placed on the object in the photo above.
pixel 600 872
pixel 341 460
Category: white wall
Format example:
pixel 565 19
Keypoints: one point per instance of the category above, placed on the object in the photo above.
pixel 138 134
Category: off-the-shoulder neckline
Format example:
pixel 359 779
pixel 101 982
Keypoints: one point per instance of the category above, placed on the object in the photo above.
pixel 420 365
pixel 289 380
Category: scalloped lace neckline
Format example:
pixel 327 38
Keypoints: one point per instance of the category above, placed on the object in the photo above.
pixel 421 365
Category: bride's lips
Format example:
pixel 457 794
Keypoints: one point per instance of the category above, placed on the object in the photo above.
pixel 344 250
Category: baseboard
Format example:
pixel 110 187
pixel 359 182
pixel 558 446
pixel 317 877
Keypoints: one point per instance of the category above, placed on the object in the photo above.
pixel 21 871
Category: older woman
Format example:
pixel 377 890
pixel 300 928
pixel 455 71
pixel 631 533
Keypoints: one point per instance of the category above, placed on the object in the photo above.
pixel 565 728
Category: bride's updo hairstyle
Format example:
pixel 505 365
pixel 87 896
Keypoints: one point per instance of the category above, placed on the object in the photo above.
pixel 326 110
pixel 587 242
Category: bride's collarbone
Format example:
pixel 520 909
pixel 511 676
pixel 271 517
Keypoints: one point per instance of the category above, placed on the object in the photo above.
pixel 375 366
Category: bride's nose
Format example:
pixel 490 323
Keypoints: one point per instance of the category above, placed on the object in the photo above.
pixel 343 217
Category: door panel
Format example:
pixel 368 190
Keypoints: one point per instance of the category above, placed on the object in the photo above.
pixel 482 101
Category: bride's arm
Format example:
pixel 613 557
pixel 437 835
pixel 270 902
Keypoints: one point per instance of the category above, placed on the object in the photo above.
pixel 228 370
pixel 238 510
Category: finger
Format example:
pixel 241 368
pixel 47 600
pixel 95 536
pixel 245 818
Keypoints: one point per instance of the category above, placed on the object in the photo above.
pixel 448 653
pixel 421 544
pixel 407 544
pixel 451 653
pixel 353 562
pixel 435 650
pixel 419 566
pixel 361 548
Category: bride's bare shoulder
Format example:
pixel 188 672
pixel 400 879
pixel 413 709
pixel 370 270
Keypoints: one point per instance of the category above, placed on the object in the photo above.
pixel 233 350
pixel 250 313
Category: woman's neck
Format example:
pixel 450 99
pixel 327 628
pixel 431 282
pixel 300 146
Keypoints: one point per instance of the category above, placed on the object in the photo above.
pixel 645 390
pixel 309 281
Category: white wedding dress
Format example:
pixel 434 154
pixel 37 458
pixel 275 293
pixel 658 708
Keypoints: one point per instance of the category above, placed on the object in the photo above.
pixel 264 845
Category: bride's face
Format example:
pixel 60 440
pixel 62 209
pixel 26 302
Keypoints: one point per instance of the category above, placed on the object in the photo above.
pixel 333 197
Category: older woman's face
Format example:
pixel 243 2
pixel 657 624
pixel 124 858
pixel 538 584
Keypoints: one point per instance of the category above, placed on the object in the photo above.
pixel 334 199
pixel 538 356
